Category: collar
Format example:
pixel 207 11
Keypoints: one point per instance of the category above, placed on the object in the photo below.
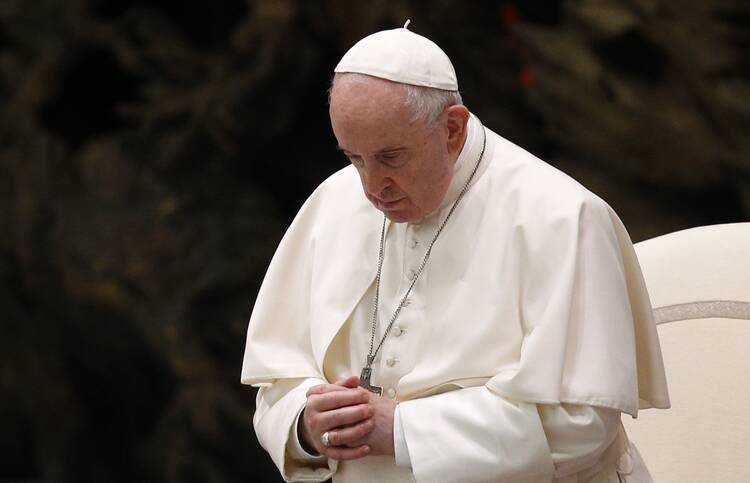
pixel 466 161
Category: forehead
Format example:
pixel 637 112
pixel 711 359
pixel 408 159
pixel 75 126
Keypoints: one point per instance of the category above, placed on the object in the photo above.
pixel 358 92
pixel 370 114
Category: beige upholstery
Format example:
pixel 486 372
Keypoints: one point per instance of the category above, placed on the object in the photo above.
pixel 699 283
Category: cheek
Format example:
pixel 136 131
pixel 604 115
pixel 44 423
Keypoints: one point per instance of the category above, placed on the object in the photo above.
pixel 429 186
pixel 440 171
pixel 363 183
pixel 439 182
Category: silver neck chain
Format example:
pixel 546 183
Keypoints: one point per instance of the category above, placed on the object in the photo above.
pixel 381 255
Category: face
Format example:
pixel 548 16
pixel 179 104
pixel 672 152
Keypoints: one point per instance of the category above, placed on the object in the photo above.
pixel 405 167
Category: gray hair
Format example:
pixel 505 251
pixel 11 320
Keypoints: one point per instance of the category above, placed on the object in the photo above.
pixel 425 103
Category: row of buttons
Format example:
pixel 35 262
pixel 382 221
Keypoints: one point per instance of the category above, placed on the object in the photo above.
pixel 412 273
pixel 398 331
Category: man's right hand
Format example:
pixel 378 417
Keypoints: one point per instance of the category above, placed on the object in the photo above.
pixel 342 409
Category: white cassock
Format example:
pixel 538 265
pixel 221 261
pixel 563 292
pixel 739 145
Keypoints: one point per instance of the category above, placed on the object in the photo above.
pixel 525 337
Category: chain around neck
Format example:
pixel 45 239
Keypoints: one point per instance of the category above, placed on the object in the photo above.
pixel 381 255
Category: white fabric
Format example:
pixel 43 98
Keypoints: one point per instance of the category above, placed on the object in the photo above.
pixel 700 280
pixel 699 264
pixel 400 447
pixel 534 278
pixel 402 56
pixel 449 440
pixel 577 436
pixel 404 250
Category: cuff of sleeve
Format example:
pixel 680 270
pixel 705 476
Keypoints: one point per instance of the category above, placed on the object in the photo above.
pixel 400 448
pixel 498 439
pixel 294 446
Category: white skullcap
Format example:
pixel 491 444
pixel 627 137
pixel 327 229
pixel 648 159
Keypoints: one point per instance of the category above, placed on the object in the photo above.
pixel 400 55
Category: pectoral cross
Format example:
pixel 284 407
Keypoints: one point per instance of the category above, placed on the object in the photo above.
pixel 364 378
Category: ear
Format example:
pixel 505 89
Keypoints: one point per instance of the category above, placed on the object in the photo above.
pixel 457 118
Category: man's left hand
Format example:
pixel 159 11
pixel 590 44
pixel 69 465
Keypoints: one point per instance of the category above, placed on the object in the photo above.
pixel 380 438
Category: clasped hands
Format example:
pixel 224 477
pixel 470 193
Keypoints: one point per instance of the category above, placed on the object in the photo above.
pixel 359 423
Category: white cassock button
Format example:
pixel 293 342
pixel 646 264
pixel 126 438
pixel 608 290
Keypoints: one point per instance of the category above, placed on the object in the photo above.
pixel 411 274
pixel 413 243
pixel 391 393
pixel 390 362
pixel 407 302
pixel 397 331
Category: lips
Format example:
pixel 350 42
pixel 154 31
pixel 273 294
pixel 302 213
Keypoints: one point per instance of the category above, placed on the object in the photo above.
pixel 387 204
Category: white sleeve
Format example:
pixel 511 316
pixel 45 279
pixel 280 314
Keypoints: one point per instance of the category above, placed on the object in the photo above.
pixel 500 440
pixel 577 435
pixel 400 448
pixel 474 428
pixel 277 409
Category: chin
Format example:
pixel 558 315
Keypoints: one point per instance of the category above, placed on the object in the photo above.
pixel 401 216
pixel 396 218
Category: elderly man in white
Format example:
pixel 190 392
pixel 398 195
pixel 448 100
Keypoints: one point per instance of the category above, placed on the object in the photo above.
pixel 448 308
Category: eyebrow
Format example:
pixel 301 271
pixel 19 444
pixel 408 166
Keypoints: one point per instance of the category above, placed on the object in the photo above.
pixel 384 150
pixel 390 150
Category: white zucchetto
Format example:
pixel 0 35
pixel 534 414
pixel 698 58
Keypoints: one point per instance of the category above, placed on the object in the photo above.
pixel 400 55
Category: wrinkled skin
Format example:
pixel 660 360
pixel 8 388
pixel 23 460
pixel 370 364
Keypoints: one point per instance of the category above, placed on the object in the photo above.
pixel 405 166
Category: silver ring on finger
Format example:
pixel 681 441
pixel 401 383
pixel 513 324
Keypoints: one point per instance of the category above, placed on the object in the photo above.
pixel 325 438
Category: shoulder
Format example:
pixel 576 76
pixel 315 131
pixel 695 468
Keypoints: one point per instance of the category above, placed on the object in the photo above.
pixel 338 201
pixel 343 180
pixel 340 191
pixel 536 192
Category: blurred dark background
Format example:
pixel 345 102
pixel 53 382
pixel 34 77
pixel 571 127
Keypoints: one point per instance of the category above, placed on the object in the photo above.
pixel 153 152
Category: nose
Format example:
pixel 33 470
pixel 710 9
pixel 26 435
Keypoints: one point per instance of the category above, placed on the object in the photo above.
pixel 375 179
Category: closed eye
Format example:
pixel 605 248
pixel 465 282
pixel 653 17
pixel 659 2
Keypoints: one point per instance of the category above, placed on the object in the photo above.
pixel 394 159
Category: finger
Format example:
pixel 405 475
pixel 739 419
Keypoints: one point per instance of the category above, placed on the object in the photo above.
pixel 345 416
pixel 324 388
pixel 351 382
pixel 343 453
pixel 337 399
pixel 351 436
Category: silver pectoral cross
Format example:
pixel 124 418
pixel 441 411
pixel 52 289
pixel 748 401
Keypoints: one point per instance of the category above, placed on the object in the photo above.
pixel 364 378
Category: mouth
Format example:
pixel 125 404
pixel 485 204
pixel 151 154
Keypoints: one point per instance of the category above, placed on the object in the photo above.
pixel 387 205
